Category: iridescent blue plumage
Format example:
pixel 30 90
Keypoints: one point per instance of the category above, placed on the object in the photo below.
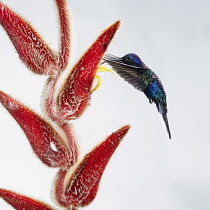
pixel 134 71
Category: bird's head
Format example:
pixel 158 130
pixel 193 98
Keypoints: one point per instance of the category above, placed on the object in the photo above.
pixel 133 60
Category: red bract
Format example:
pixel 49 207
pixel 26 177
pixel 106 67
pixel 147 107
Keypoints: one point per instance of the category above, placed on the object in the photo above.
pixel 32 49
pixel 74 94
pixel 83 184
pixel 22 202
pixel 52 137
pixel 28 42
pixel 42 136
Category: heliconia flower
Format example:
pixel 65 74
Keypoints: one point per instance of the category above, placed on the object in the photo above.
pixel 21 202
pixel 54 148
pixel 32 49
pixel 74 95
pixel 82 186
pixel 52 137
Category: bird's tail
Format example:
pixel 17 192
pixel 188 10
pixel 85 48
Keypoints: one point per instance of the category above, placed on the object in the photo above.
pixel 165 118
pixel 163 110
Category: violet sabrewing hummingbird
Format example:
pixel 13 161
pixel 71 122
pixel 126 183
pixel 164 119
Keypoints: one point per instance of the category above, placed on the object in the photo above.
pixel 132 69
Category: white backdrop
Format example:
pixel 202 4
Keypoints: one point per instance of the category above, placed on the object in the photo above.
pixel 148 171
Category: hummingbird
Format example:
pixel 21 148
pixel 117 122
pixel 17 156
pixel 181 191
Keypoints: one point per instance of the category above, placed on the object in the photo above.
pixel 132 69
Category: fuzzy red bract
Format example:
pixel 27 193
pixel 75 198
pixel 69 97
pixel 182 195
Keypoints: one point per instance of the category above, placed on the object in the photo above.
pixel 42 135
pixel 74 94
pixel 87 176
pixel 28 42
pixel 21 202
pixel 82 185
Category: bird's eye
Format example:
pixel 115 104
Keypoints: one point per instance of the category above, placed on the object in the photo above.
pixel 129 60
pixel 132 59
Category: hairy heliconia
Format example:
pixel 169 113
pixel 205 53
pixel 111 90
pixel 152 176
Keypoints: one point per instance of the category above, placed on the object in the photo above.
pixel 50 134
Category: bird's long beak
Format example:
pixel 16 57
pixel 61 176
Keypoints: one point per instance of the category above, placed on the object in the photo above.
pixel 117 63
pixel 114 61
pixel 111 58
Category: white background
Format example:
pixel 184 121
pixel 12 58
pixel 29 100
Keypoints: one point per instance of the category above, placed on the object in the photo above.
pixel 148 171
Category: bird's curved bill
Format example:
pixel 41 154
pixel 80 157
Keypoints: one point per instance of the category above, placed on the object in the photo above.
pixel 110 59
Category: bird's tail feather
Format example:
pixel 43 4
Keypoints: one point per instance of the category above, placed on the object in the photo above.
pixel 163 111
pixel 165 118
